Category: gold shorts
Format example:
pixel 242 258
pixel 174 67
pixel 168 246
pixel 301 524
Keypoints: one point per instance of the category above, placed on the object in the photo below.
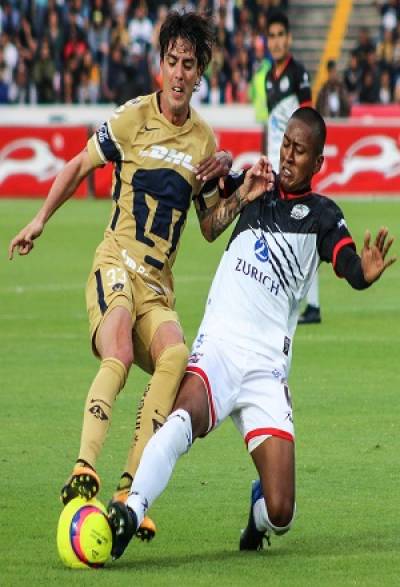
pixel 110 285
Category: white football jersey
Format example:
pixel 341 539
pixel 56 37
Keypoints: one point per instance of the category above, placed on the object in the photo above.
pixel 267 268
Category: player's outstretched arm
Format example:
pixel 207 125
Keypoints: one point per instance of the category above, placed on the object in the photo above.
pixel 217 165
pixel 63 188
pixel 373 256
pixel 258 180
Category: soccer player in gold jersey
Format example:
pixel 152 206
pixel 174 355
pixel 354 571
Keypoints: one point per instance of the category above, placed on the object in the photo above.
pixel 164 156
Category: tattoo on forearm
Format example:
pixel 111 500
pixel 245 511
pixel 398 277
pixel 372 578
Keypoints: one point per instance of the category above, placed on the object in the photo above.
pixel 219 218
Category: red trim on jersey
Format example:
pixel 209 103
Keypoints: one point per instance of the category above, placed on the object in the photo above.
pixel 305 104
pixel 339 246
pixel 287 196
pixel 282 68
pixel 269 431
pixel 203 376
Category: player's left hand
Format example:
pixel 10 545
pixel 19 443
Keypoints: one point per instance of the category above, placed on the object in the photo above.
pixel 373 257
pixel 218 165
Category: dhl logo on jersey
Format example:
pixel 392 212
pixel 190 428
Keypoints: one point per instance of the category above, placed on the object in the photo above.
pixel 169 156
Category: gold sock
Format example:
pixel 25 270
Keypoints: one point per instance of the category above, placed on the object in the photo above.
pixel 157 401
pixel 108 382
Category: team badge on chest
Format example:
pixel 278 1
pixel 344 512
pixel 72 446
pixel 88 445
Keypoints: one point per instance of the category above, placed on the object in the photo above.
pixel 299 211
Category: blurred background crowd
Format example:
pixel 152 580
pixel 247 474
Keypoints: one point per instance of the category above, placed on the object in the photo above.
pixel 96 51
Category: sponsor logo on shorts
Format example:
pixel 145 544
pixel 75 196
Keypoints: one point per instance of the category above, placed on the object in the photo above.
pixel 195 357
pixel 131 263
pixel 118 287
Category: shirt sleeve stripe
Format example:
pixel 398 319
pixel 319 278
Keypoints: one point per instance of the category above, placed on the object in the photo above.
pixel 339 245
pixel 116 143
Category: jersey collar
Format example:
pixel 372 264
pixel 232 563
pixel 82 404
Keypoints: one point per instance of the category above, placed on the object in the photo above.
pixel 282 69
pixel 288 196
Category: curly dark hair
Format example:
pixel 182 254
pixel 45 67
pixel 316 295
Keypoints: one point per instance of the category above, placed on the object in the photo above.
pixel 195 28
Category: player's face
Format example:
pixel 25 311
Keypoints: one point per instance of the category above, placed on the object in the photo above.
pixel 278 42
pixel 298 159
pixel 180 72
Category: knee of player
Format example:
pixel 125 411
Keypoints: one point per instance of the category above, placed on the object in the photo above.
pixel 280 513
pixel 174 357
pixel 124 353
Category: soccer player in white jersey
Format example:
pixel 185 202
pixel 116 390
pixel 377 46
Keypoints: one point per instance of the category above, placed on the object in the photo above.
pixel 287 87
pixel 240 360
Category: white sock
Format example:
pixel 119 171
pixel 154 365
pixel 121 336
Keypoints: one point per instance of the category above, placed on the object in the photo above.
pixel 262 521
pixel 313 292
pixel 158 461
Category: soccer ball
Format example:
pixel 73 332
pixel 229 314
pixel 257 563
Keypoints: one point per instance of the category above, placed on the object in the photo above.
pixel 84 538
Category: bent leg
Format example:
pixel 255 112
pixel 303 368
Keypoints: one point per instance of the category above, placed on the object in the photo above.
pixel 169 355
pixel 274 459
pixel 114 345
pixel 188 421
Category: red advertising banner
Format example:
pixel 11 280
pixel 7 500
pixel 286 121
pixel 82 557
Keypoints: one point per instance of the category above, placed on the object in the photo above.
pixel 360 160
pixel 31 157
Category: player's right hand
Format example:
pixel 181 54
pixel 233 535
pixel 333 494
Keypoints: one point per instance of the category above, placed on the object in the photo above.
pixel 23 241
pixel 258 179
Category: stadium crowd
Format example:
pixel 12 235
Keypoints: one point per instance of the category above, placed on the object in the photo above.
pixel 93 51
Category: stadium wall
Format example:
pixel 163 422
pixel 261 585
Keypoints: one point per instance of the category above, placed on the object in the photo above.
pixel 362 154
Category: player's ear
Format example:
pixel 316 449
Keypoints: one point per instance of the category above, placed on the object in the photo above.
pixel 318 164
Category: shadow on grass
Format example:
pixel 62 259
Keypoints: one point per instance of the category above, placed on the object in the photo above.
pixel 296 548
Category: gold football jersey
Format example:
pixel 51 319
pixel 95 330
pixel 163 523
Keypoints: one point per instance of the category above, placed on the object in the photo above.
pixel 153 182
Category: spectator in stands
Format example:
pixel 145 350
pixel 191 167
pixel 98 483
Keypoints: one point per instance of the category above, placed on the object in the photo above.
pixel 89 84
pixel 99 34
pixel 369 93
pixel 10 54
pixel 365 45
pixel 119 33
pixel 215 93
pixel 9 18
pixel 54 33
pixel 385 49
pixel 385 91
pixel 76 41
pixel 4 86
pixel 25 41
pixel 140 29
pixel 115 77
pixel 182 6
pixel 390 14
pixel 333 100
pixel 237 88
pixel 353 77
pixel 21 89
pixel 43 75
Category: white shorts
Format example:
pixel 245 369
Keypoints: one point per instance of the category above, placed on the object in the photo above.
pixel 244 385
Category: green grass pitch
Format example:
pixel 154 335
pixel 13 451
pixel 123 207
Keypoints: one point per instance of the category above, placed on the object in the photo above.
pixel 345 384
